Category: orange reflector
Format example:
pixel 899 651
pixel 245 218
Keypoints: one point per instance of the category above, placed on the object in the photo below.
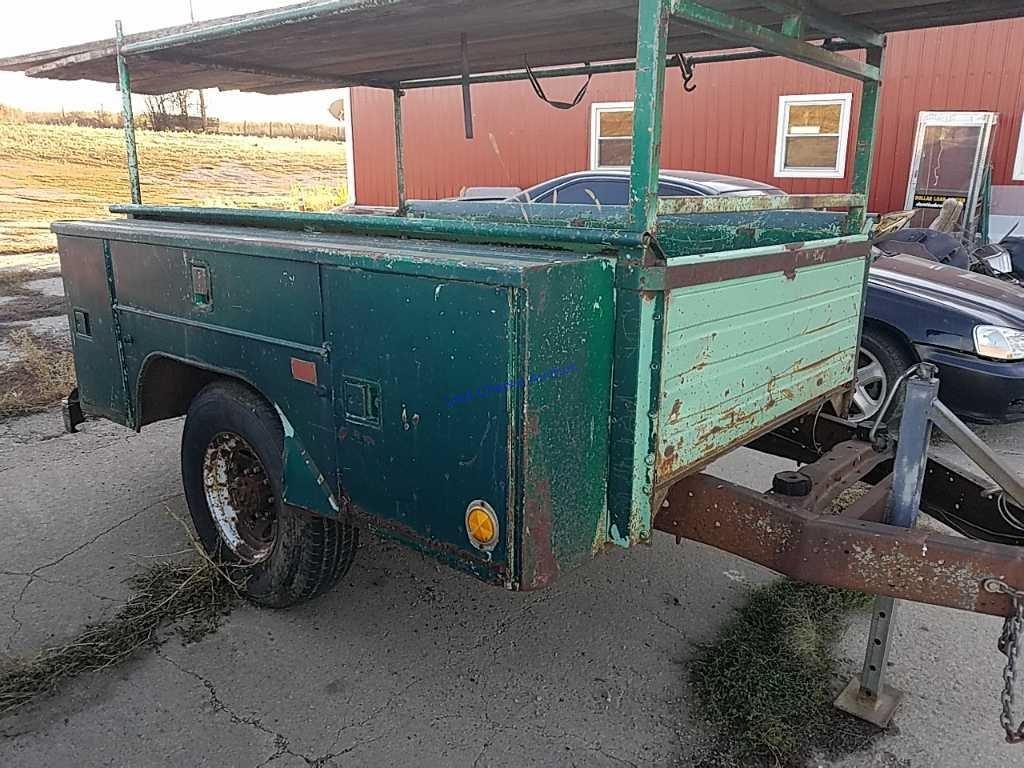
pixel 303 370
pixel 482 525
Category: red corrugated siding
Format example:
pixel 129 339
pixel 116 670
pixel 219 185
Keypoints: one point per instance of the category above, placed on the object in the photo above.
pixel 728 125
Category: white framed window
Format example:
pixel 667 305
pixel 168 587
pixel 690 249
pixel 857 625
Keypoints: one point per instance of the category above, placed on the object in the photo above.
pixel 1018 164
pixel 813 132
pixel 611 134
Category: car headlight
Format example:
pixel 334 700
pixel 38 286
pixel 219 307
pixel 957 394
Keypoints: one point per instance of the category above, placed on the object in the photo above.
pixel 998 343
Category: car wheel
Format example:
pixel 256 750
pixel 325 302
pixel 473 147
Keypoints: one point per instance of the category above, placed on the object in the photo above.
pixel 232 467
pixel 880 362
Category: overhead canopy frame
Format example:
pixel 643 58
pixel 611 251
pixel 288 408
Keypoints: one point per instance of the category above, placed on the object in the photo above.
pixel 336 43
pixel 399 44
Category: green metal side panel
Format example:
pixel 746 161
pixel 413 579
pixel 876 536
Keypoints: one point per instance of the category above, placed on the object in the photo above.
pixel 567 322
pixel 433 357
pixel 263 363
pixel 741 355
pixel 94 341
pixel 257 317
pixel 257 296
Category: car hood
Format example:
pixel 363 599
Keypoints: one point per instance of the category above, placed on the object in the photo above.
pixel 992 301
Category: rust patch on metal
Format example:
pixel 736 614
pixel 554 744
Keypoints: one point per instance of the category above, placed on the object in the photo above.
pixel 531 426
pixel 539 564
pixel 841 552
pixel 667 473
pixel 674 413
pixel 786 260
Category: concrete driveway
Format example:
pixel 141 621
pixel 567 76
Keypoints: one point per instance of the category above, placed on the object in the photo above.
pixel 406 663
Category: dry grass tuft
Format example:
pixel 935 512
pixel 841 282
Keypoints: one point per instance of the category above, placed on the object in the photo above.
pixel 43 374
pixel 767 681
pixel 193 598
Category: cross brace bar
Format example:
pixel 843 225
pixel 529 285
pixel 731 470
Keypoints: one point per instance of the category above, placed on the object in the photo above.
pixel 745 32
pixel 823 19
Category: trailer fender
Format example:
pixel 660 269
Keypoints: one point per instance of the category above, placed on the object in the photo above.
pixel 304 484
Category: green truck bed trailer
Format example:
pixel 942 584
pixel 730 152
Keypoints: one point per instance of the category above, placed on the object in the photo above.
pixel 515 389
pixel 566 389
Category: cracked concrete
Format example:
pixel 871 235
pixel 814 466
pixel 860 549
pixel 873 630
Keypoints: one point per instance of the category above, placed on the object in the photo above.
pixel 407 662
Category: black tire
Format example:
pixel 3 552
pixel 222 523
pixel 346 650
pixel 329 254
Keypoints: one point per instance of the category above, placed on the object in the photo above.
pixel 894 358
pixel 296 555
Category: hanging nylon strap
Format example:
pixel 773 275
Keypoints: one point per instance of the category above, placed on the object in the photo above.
pixel 553 102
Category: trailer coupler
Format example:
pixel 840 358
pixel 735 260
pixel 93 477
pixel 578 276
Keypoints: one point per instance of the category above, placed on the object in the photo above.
pixel 871 545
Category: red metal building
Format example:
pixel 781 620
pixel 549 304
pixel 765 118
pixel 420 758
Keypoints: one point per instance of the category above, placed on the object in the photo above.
pixel 730 124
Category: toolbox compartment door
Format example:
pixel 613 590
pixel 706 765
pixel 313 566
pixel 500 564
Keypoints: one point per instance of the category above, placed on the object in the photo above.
pixel 99 362
pixel 418 439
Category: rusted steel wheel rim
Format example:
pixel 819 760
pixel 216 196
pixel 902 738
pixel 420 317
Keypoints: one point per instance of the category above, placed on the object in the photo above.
pixel 872 385
pixel 240 497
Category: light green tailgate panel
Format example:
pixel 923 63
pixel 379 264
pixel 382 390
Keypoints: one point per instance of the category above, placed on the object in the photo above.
pixel 740 355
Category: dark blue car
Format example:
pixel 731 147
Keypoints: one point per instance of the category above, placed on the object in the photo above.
pixel 969 325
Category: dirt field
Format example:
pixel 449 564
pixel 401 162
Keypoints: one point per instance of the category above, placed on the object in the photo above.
pixel 61 172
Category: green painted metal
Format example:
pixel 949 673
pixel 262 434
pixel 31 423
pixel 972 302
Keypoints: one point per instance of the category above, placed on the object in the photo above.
pixel 739 354
pixel 599 69
pixel 94 337
pixel 865 148
pixel 482 392
pixel 675 205
pixel 480 263
pixel 747 33
pixel 634 412
pixel 411 455
pixel 567 320
pixel 563 363
pixel 678 234
pixel 128 117
pixel 823 19
pixel 651 45
pixel 795 26
pixel 398 226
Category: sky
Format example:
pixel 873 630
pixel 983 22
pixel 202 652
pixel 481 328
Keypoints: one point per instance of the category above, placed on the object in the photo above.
pixel 43 24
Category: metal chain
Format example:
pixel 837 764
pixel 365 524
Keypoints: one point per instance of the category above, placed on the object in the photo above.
pixel 1010 644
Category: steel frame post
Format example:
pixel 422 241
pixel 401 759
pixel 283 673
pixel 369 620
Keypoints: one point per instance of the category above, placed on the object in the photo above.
pixel 864 150
pixel 399 152
pixel 651 46
pixel 868 696
pixel 128 116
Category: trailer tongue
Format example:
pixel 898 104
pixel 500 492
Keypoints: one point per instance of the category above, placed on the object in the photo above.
pixel 515 390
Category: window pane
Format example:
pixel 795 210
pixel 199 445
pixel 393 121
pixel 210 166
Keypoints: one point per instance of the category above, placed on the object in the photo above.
pixel 812 151
pixel 614 152
pixel 591 191
pixel 947 159
pixel 616 124
pixel 815 118
pixel 671 190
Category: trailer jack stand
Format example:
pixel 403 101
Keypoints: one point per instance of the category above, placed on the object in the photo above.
pixel 867 696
